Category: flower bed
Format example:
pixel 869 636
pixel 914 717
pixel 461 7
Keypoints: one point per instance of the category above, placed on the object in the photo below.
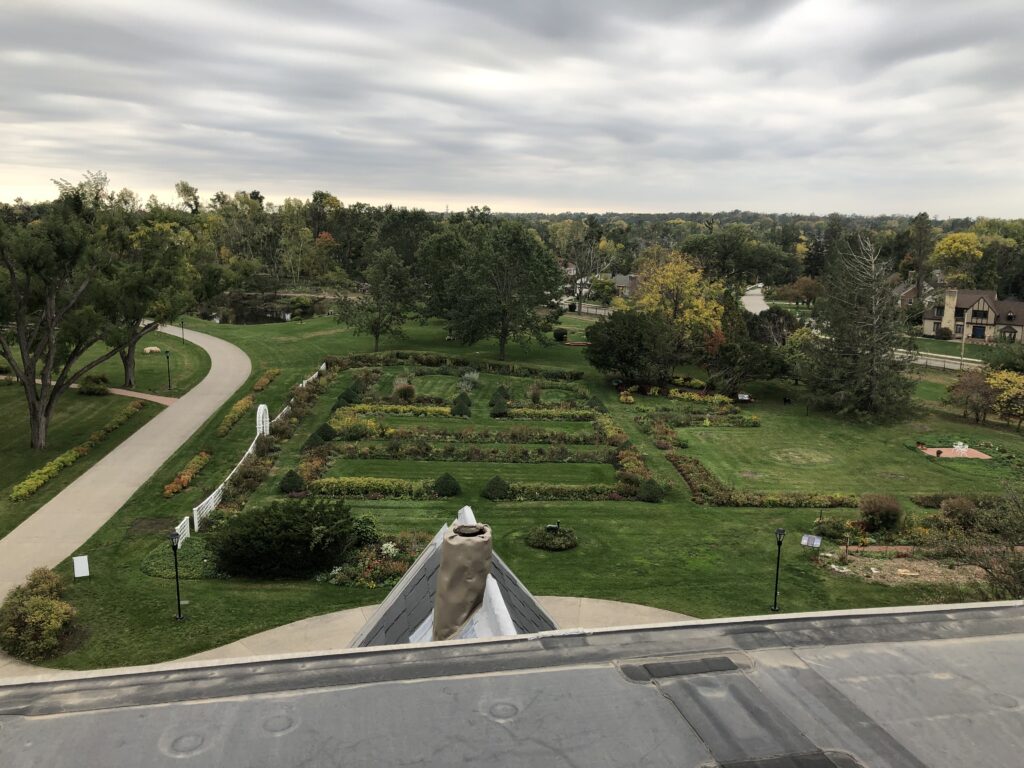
pixel 562 492
pixel 431 363
pixel 38 478
pixel 232 417
pixel 421 449
pixel 512 436
pixel 708 489
pixel 373 488
pixel 265 380
pixel 554 414
pixel 401 410
pixel 184 478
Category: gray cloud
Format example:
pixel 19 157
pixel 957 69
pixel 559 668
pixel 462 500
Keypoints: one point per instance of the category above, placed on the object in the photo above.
pixel 854 105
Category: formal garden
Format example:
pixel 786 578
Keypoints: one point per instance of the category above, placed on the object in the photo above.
pixel 671 496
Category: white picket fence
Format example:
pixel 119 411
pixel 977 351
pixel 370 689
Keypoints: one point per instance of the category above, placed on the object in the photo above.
pixel 183 531
pixel 203 509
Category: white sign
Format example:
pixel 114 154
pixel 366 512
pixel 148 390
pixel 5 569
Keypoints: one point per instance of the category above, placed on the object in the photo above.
pixel 809 540
pixel 81 563
pixel 183 531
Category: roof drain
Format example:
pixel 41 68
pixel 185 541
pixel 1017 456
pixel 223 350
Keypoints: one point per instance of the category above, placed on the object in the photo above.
pixel 462 577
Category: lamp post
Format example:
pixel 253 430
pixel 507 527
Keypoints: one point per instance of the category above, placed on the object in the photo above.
pixel 175 538
pixel 183 331
pixel 167 355
pixel 780 534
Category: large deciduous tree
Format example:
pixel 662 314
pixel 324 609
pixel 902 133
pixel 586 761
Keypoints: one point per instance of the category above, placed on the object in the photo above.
pixel 1009 388
pixel 859 369
pixel 383 309
pixel 53 278
pixel 510 279
pixel 638 346
pixel 972 393
pixel 958 256
pixel 580 243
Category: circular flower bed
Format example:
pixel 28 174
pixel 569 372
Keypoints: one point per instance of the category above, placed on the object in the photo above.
pixel 554 541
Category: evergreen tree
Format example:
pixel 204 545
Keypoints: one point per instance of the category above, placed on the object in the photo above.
pixel 858 370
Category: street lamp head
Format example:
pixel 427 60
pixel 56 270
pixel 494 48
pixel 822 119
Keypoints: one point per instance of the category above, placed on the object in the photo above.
pixel 174 538
pixel 167 354
pixel 780 534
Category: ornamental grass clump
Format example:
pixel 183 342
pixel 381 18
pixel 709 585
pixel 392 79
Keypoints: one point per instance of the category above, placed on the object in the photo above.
pixel 233 416
pixel 184 478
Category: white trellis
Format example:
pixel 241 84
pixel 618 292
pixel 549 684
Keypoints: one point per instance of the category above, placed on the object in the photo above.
pixel 263 421
pixel 183 530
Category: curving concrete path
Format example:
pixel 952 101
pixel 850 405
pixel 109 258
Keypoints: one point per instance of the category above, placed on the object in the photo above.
pixel 58 528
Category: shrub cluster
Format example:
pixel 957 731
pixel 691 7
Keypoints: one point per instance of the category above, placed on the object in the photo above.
pixel 38 478
pixel 517 434
pixel 451 451
pixel 431 362
pixel 607 431
pixel 372 488
pixel 380 563
pixel 287 538
pixel 708 489
pixel 348 425
pixel 696 397
pixel 554 541
pixel 35 624
pixel 266 379
pixel 961 511
pixel 499 407
pixel 251 472
pixel 234 415
pixel 292 482
pixel 93 385
pixel 184 479
pixel 561 492
pixel 496 489
pixel 560 334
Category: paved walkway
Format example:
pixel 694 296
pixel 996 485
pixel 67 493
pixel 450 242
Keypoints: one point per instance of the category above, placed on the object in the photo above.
pixel 61 526
pixel 162 399
pixel 334 631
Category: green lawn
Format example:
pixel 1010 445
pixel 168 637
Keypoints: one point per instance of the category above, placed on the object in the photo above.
pixel 674 555
pixel 952 348
pixel 75 418
pixel 796 451
pixel 189 364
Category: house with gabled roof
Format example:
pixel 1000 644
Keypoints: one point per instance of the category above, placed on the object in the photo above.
pixel 979 314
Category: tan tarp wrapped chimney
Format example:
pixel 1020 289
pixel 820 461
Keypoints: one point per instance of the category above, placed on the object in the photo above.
pixel 465 564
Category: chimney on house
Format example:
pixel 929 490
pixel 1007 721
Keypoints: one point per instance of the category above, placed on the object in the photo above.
pixel 461 578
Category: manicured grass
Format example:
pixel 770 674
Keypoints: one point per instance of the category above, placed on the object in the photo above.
pixel 189 364
pixel 796 451
pixel 952 348
pixel 75 418
pixel 473 475
pixel 674 555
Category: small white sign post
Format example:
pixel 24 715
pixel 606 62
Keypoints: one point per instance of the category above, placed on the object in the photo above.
pixel 81 563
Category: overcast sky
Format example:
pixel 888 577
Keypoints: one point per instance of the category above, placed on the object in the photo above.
pixel 663 105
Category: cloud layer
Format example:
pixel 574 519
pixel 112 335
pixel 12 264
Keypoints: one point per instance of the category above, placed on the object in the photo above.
pixel 859 106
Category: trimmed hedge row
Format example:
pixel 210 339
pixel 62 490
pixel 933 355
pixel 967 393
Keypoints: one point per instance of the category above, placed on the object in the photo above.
pixel 934 500
pixel 373 488
pixel 438 361
pixel 454 452
pixel 266 379
pixel 561 492
pixel 510 436
pixel 401 410
pixel 554 414
pixel 708 489
pixel 38 478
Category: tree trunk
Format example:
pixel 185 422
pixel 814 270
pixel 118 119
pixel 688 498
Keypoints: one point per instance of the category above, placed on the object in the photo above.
pixel 502 341
pixel 128 361
pixel 376 343
pixel 38 420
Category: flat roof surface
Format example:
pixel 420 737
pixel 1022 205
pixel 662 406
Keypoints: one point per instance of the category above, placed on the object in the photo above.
pixel 943 686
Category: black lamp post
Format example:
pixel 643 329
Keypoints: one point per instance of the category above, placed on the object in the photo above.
pixel 175 538
pixel 167 354
pixel 780 534
pixel 183 331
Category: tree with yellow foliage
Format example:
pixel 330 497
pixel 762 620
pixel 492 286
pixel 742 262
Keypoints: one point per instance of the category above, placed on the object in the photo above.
pixel 958 256
pixel 1009 387
pixel 673 286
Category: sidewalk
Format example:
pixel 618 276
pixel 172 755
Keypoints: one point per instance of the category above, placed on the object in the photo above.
pixel 59 528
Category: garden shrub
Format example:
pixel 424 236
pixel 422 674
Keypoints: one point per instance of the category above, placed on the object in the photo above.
pixel 184 478
pixel 944 333
pixel 499 408
pixel 313 441
pixel 405 393
pixel 497 488
pixel 564 492
pixel 93 385
pixel 554 541
pixel 402 410
pixel 880 512
pixel 264 446
pixel 596 404
pixel 232 417
pixel 251 472
pixel 292 482
pixel 535 393
pixel 555 413
pixel 650 491
pixel 962 511
pixel 380 563
pixel 462 398
pixel 560 334
pixel 39 477
pixel 288 538
pixel 446 486
pixel 350 426
pixel 461 408
pixel 326 432
pixel 364 531
pixel 500 394
pixel 831 528
pixel 35 624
